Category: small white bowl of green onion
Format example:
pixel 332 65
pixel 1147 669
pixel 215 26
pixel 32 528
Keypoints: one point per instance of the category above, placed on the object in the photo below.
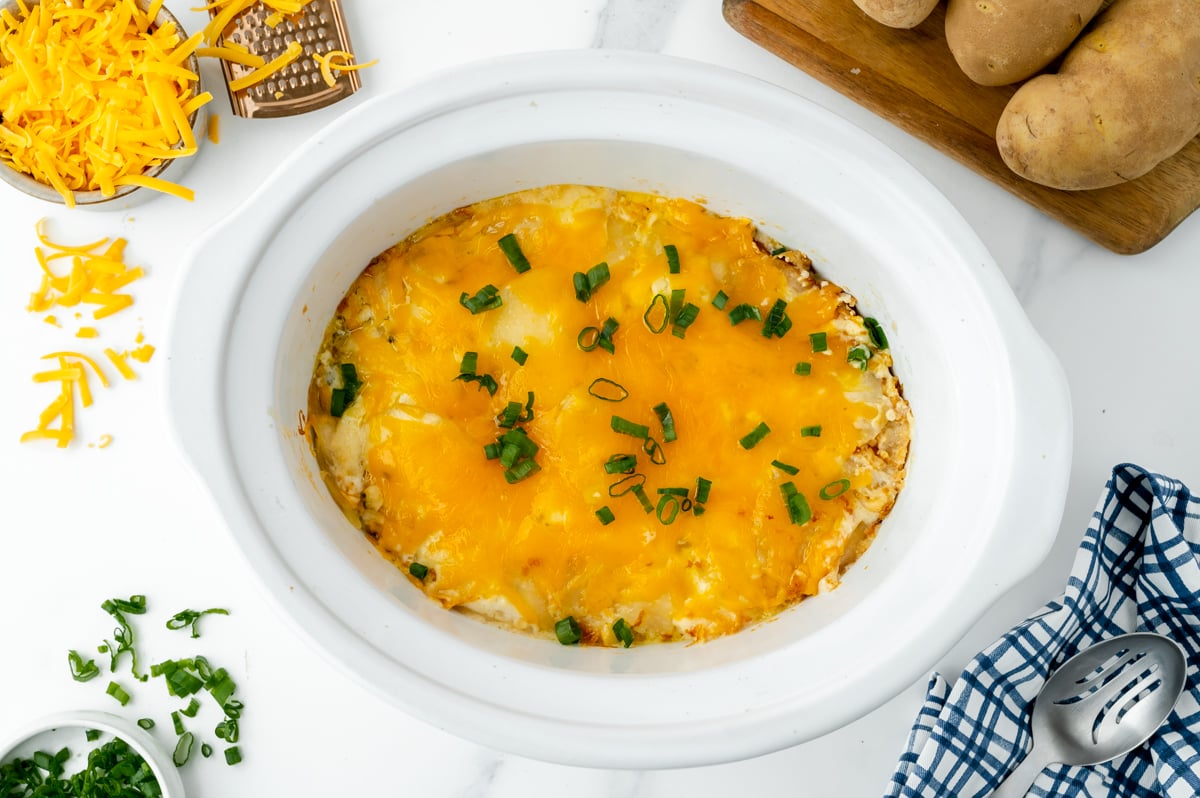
pixel 88 753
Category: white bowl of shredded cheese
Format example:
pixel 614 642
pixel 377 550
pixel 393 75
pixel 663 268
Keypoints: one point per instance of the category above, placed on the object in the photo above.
pixel 990 454
pixel 125 106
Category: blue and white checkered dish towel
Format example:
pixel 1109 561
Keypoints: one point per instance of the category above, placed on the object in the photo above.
pixel 1137 570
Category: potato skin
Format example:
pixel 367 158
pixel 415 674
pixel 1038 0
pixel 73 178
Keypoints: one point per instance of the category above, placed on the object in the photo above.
pixel 997 42
pixel 898 13
pixel 1126 98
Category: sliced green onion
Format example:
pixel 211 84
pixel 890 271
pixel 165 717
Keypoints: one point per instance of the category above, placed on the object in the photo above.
pixel 588 338
pixel 191 709
pixel 640 493
pixel 177 723
pixel 605 515
pixel 597 276
pixel 485 381
pixel 627 427
pixel 522 470
pixel 116 691
pixel 785 468
pixel 623 632
pixel 658 300
pixel 606 390
pixel 684 319
pixel 586 284
pixel 146 723
pixel 777 322
pixel 470 361
pixel 703 486
pixel 620 464
pixel 673 492
pixel 627 485
pixel 605 340
pixel 509 415
pixel 512 251
pixel 418 571
pixel 486 298
pixel 81 671
pixel 668 508
pixel 743 312
pixel 519 355
pixel 567 631
pixel 797 506
pixel 92 735
pixel 205 750
pixel 185 618
pixel 875 330
pixel 579 282
pixel 778 251
pixel 667 420
pixel 819 341
pixel 491 450
pixel 719 300
pixel 655 451
pixel 752 438
pixel 859 355
pixel 341 397
pixel 233 755
pixel 672 258
pixel 834 489
pixel 803 368
pixel 811 432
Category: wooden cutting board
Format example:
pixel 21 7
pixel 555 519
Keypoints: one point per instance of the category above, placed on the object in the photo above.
pixel 910 78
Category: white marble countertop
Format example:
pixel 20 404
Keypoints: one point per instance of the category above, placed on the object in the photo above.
pixel 86 524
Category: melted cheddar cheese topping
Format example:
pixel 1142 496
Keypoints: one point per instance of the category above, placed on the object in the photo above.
pixel 405 454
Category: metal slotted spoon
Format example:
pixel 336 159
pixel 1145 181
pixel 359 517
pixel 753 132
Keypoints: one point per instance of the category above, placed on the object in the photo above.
pixel 1101 703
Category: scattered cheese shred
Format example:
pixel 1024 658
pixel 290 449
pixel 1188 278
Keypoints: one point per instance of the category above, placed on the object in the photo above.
pixel 86 332
pixel 143 353
pixel 227 11
pixel 118 360
pixel 214 128
pixel 290 54
pixel 92 94
pixel 340 61
pixel 105 440
pixel 98 271
pixel 52 320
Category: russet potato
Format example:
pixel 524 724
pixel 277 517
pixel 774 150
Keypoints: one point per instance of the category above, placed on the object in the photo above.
pixel 1126 97
pixel 897 13
pixel 997 42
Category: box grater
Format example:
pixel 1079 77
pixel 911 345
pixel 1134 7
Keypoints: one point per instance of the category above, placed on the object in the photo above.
pixel 320 27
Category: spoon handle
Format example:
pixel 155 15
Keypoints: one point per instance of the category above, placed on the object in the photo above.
pixel 1020 780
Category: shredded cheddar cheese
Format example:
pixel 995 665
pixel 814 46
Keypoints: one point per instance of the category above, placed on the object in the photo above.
pixel 214 129
pixel 293 51
pixel 94 96
pixel 97 274
pixel 340 61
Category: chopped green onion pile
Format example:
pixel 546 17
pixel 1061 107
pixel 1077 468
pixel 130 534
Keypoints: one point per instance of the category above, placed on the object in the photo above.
pixel 112 769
